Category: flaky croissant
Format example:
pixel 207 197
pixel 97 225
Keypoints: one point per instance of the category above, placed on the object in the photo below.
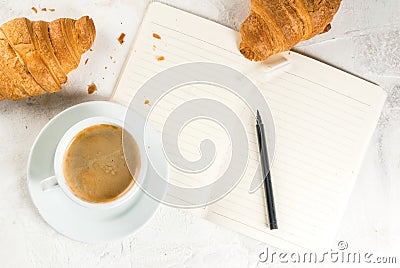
pixel 275 26
pixel 36 56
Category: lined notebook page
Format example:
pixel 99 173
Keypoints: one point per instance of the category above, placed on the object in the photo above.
pixel 143 64
pixel 324 119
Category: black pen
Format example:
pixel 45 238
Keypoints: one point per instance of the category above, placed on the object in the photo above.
pixel 262 146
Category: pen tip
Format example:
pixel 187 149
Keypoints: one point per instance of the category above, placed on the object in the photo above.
pixel 258 117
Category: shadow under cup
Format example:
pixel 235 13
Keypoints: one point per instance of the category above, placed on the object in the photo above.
pixel 95 163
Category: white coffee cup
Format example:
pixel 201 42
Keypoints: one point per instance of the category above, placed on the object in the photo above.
pixel 58 180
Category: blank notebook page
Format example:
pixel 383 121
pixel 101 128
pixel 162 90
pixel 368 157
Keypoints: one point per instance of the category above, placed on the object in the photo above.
pixel 324 120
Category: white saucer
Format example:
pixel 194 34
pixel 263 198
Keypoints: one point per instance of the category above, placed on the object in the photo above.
pixel 64 215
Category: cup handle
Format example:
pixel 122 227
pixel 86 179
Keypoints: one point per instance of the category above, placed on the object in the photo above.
pixel 49 184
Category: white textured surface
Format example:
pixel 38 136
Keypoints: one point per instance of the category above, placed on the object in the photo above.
pixel 365 40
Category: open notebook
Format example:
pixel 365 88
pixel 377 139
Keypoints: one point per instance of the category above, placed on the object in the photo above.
pixel 324 120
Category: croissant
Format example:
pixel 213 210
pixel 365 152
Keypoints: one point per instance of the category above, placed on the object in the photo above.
pixel 36 56
pixel 275 26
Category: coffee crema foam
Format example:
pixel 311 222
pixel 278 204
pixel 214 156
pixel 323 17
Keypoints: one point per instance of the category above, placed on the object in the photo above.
pixel 94 165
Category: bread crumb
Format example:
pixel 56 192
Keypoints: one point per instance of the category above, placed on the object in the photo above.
pixel 52 9
pixel 91 88
pixel 91 49
pixel 161 58
pixel 121 38
pixel 44 9
pixel 156 36
pixel 111 57
pixel 105 67
pixel 34 9
pixel 86 61
pixel 147 102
